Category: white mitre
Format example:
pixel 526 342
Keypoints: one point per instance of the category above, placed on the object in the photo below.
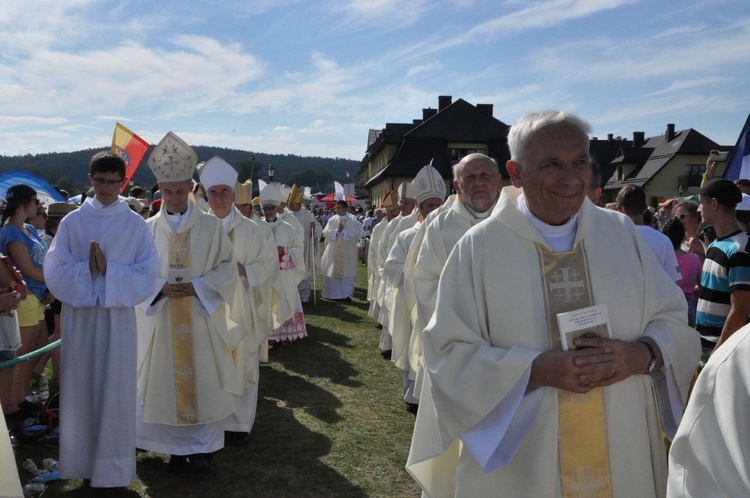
pixel 216 171
pixel 243 192
pixel 428 183
pixel 405 191
pixel 272 195
pixel 172 160
pixel 285 191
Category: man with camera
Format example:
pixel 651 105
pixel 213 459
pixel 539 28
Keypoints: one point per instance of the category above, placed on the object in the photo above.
pixel 724 296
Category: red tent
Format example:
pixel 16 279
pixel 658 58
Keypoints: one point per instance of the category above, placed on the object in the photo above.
pixel 330 199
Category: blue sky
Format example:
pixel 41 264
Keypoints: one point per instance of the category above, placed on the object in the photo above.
pixel 312 77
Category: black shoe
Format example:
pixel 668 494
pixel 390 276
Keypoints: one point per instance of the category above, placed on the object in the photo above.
pixel 412 408
pixel 178 463
pixel 236 438
pixel 386 354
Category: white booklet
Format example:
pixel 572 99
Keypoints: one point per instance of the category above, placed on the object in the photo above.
pixel 585 322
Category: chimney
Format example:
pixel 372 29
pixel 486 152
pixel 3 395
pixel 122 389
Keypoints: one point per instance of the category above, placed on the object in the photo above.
pixel 610 137
pixel 485 108
pixel 428 113
pixel 639 138
pixel 670 132
pixel 444 101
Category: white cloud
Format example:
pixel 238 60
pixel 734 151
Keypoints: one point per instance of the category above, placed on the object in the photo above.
pixel 383 14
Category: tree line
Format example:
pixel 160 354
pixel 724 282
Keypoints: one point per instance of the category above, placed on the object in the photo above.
pixel 68 170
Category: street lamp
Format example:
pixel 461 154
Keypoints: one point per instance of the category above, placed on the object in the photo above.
pixel 271 172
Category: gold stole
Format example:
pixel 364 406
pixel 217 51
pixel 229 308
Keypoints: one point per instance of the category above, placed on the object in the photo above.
pixel 180 310
pixel 583 450
pixel 339 254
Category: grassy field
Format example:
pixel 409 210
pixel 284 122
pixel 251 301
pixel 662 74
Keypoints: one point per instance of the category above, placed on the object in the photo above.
pixel 330 422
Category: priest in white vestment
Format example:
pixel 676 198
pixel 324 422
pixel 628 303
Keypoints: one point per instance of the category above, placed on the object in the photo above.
pixel 339 262
pixel 312 232
pixel 477 181
pixel 504 409
pixel 101 264
pixel 709 454
pixel 407 218
pixel 257 265
pixel 288 316
pixel 429 189
pixel 392 210
pixel 188 379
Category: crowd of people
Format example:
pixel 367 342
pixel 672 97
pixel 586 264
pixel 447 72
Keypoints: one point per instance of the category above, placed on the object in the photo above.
pixel 545 342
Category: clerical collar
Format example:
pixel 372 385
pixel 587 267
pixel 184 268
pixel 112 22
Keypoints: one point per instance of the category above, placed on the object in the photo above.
pixel 559 237
pixel 176 220
pixel 482 216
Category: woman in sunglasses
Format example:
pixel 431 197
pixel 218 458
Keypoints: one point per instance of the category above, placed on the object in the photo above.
pixel 687 212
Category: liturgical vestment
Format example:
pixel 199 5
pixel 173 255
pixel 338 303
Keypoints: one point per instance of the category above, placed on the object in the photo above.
pixel 188 381
pixel 99 325
pixel 248 324
pixel 709 454
pixel 478 432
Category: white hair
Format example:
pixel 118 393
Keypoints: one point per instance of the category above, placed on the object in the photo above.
pixel 522 131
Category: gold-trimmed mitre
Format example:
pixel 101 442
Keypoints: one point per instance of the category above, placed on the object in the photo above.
pixel 172 160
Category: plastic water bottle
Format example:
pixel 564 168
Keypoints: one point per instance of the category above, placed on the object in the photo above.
pixel 44 388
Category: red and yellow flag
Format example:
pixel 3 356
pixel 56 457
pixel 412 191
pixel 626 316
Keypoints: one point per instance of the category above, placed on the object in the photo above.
pixel 131 147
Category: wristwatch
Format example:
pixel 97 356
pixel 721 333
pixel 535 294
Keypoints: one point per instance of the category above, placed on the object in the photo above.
pixel 652 363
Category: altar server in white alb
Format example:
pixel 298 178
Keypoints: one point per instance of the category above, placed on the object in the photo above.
pixel 288 316
pixel 101 264
pixel 503 408
pixel 339 262
pixel 256 266
pixel 188 381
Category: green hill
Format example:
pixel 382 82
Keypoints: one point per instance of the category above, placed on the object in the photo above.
pixel 68 170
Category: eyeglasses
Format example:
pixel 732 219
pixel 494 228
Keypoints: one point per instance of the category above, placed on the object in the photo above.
pixel 682 216
pixel 101 181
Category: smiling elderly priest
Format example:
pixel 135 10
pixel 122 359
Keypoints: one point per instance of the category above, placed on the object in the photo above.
pixel 504 409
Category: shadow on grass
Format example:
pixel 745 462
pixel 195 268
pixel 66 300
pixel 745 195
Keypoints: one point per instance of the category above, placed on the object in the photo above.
pixel 295 392
pixel 328 363
pixel 282 459
pixel 339 310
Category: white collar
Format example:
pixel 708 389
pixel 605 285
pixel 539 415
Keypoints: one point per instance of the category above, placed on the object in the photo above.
pixel 559 237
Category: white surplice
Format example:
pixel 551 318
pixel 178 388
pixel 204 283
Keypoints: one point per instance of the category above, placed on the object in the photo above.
pixel 213 273
pixel 98 371
pixel 478 432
